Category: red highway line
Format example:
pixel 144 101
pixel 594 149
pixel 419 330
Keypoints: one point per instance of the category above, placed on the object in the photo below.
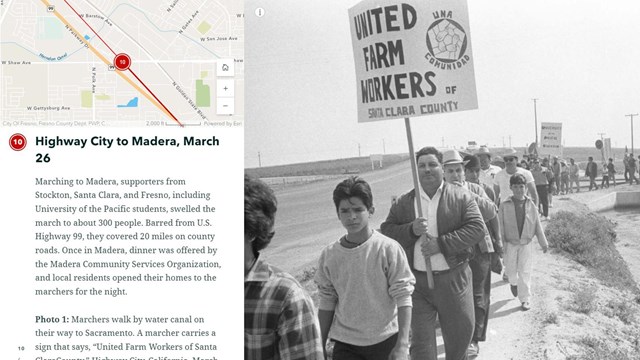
pixel 155 97
pixel 134 74
pixel 81 18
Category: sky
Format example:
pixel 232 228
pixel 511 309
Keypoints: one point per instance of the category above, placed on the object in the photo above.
pixel 578 58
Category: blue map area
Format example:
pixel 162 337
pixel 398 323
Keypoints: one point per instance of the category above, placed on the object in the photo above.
pixel 132 103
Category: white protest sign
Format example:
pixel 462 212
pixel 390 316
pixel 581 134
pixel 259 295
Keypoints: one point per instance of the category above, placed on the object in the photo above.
pixel 412 58
pixel 551 138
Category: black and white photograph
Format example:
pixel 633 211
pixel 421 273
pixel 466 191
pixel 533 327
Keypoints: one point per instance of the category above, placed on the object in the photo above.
pixel 514 123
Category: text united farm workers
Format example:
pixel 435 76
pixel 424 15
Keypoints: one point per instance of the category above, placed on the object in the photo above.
pixel 390 53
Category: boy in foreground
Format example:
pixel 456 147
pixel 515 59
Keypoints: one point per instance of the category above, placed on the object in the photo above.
pixel 519 223
pixel 365 284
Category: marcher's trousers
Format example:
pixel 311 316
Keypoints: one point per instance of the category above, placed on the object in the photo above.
pixel 544 198
pixel 451 301
pixel 481 272
pixel 518 262
pixel 379 351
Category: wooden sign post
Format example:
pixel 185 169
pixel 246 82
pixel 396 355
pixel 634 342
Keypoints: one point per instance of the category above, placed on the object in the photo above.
pixel 412 58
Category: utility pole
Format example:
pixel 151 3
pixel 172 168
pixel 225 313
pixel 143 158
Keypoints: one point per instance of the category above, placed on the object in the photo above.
pixel 510 141
pixel 631 116
pixel 384 149
pixel 359 150
pixel 259 160
pixel 535 116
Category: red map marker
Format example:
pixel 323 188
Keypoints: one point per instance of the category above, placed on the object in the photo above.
pixel 17 142
pixel 122 62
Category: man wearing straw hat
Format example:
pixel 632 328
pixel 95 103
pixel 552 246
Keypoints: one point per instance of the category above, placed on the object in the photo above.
pixel 445 236
pixel 487 170
pixel 501 180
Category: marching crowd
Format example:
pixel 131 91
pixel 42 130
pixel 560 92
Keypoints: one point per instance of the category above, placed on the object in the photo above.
pixel 382 293
pixel 560 177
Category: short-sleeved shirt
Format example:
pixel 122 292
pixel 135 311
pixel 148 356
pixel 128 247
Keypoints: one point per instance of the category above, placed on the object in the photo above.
pixel 502 180
pixel 486 176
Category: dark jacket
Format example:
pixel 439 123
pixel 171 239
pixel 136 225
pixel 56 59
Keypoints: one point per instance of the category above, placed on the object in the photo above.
pixel 460 225
pixel 489 212
pixel 591 170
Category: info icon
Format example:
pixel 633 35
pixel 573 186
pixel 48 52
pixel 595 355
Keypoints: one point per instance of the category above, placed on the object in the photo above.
pixel 17 142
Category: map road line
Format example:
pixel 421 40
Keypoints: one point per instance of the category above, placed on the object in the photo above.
pixel 124 33
pixel 128 68
pixel 114 53
pixel 6 10
pixel 154 95
pixel 107 62
pixel 84 21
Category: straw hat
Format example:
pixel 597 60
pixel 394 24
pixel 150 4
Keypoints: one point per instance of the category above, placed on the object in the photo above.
pixel 483 151
pixel 450 157
pixel 510 153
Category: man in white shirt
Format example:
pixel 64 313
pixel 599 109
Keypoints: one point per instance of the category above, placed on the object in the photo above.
pixel 501 180
pixel 451 225
pixel 487 171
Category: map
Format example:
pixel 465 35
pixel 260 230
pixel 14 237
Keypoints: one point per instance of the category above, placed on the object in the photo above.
pixel 121 63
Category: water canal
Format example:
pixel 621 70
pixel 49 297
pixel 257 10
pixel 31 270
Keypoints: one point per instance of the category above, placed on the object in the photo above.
pixel 628 233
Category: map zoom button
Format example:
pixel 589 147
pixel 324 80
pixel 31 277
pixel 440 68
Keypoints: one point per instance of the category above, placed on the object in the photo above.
pixel 225 88
pixel 224 106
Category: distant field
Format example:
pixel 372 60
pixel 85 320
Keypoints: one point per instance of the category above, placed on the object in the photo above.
pixel 579 154
pixel 327 167
pixel 362 164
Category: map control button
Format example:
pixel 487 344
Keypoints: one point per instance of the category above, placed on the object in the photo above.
pixel 225 88
pixel 225 68
pixel 225 106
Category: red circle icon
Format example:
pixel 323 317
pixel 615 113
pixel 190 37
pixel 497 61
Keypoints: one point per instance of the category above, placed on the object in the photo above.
pixel 122 62
pixel 17 142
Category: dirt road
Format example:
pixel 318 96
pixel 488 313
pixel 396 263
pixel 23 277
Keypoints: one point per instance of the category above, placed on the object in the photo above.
pixel 306 222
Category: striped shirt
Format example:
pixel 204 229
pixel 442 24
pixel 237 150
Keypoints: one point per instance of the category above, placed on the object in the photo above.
pixel 279 318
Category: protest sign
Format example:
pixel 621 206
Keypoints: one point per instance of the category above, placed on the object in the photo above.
pixel 551 138
pixel 412 58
